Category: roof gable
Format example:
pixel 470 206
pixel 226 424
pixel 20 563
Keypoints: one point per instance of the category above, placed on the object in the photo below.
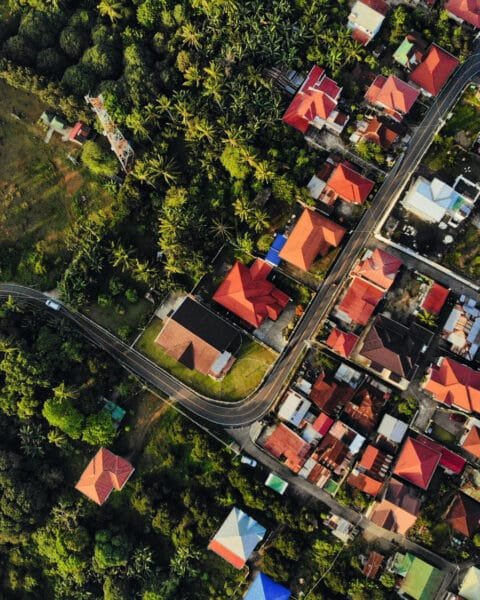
pixel 264 588
pixel 379 267
pixel 433 72
pixel 392 93
pixel 464 515
pixel 472 442
pixel 360 301
pixel 350 185
pixel 417 463
pixel 467 10
pixel 454 384
pixel 341 342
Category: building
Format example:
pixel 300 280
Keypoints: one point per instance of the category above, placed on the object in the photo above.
pixel 366 18
pixel 421 580
pixel 359 302
pixel 451 463
pixel 392 350
pixel 370 471
pixel 347 184
pixel 199 339
pixel 375 131
pixel 392 95
pixel 392 430
pixel 104 473
pixel 247 293
pixel 417 463
pixel 435 298
pixel 411 51
pixel 313 235
pixel 434 71
pixel 378 267
pixel 363 410
pixel 462 329
pixel 373 564
pixel 467 11
pixel 314 430
pixel 435 202
pixel 237 538
pixel 264 588
pixel 288 446
pixel 78 133
pixel 341 342
pixel 315 104
pixel 294 408
pixel 398 510
pixel 470 588
pixel 330 395
pixel 471 441
pixel 463 515
pixel 276 483
pixel 454 384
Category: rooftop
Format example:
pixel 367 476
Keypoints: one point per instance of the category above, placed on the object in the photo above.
pixel 359 302
pixel 392 429
pixel 472 442
pixel 466 10
pixel 434 71
pixel 378 132
pixel 379 267
pixel 435 298
pixel 284 443
pixel 393 94
pixel 454 384
pixel 464 515
pixel 341 342
pixel 330 395
pixel 449 460
pixel 366 484
pixel 349 185
pixel 470 588
pixel 399 509
pixel 264 588
pixel 367 16
pixel 373 564
pixel 422 581
pixel 365 407
pixel 417 463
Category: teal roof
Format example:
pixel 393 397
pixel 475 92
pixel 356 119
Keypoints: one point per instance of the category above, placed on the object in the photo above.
pixel 276 483
pixel 116 412
pixel 401 54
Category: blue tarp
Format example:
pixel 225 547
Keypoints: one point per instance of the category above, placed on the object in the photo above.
pixel 264 588
pixel 272 255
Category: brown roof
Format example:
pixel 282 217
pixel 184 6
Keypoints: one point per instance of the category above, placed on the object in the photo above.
pixel 392 517
pixel 373 564
pixel 365 407
pixel 285 443
pixel 332 453
pixel 365 483
pixel 330 396
pixel 379 133
pixel 464 515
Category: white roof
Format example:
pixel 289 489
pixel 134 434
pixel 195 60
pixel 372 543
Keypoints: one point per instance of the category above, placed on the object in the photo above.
pixel 240 534
pixel 431 200
pixel 315 187
pixel 294 408
pixel 470 588
pixel 365 17
pixel 393 429
pixel 220 362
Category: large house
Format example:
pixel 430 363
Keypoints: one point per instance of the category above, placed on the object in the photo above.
pixel 417 463
pixel 467 11
pixel 315 104
pixel 463 515
pixel 378 267
pixel 312 236
pixel 434 71
pixel 454 384
pixel 359 302
pixel 366 18
pixel 347 184
pixel 199 339
pixel 247 293
pixel 392 95
pixel 376 131
pixel 398 509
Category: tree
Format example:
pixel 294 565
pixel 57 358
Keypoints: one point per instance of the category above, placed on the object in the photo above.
pixel 97 160
pixel 113 9
pixel 233 161
pixel 112 549
pixel 60 413
pixel 99 429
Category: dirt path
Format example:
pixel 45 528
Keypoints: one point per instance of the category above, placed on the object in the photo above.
pixel 150 409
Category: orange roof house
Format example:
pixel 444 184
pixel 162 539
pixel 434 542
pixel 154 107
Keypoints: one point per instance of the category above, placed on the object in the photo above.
pixel 359 302
pixel 347 184
pixel 330 396
pixel 454 384
pixel 379 267
pixel 313 235
pixel 435 299
pixel 286 445
pixel 399 509
pixel 417 463
pixel 393 95
pixel 472 442
pixel 104 473
pixel 340 342
pixel 434 71
pixel 365 483
pixel 464 10
pixel 247 293
pixel 377 132
pixel 464 515
pixel 373 564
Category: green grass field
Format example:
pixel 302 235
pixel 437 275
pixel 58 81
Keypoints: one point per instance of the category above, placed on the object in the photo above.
pixel 247 372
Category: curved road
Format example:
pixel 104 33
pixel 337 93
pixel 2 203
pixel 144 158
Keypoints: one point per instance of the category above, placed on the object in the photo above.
pixel 244 412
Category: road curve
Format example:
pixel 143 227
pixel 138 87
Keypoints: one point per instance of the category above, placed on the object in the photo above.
pixel 244 412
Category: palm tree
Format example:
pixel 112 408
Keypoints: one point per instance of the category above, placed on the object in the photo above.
pixel 113 9
pixel 190 36
pixel 242 209
pixel 258 220
pixel 158 167
pixel 192 77
pixel 64 392
pixel 32 440
pixel 120 256
pixel 141 172
pixel 57 438
pixel 263 173
pixel 66 514
pixel 220 229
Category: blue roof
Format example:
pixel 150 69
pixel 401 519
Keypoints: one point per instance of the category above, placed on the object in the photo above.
pixel 264 588
pixel 272 256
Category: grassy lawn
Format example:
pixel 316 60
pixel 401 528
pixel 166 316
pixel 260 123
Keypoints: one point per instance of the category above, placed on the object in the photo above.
pixel 38 190
pixel 252 362
pixel 134 317
pixel 442 435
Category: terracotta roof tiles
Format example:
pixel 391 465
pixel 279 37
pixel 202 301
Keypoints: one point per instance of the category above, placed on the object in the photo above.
pixel 434 71
pixel 467 10
pixel 349 185
pixel 454 384
pixel 360 301
pixel 392 93
pixel 417 463
pixel 379 267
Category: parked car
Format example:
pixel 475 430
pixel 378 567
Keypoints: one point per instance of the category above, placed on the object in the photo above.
pixel 52 304
pixel 246 460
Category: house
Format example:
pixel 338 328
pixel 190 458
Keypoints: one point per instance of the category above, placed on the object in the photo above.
pixel 376 131
pixel 340 527
pixel 199 339
pixel 264 588
pixel 411 51
pixel 467 11
pixel 392 350
pixel 104 473
pixel 378 267
pixel 359 302
pixel 421 580
pixel 434 71
pixel 454 384
pixel 392 429
pixel 451 463
pixel 237 538
pixel 313 235
pixel 286 445
pixel 363 410
pixel 247 293
pixel 333 454
pixel 347 184
pixel 341 342
pixel 317 429
pixel 373 564
pixel 470 588
pixel 392 95
pixel 79 133
pixel 351 438
pixel 329 395
pixel 315 104
pixel 370 471
pixel 294 408
pixel 398 510
pixel 471 441
pixel 366 18
pixel 462 329
pixel 435 202
pixel 417 463
pixel 435 298
pixel 463 515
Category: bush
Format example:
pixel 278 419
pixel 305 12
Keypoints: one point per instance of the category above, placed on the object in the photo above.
pixel 97 160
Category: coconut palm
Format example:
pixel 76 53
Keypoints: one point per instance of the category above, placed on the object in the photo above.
pixel 190 36
pixel 113 9
pixel 65 392
pixel 220 229
pixel 158 167
pixel 120 256
pixel 242 209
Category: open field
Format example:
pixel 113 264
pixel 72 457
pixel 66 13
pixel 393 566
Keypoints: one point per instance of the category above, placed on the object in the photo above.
pixel 39 191
pixel 252 362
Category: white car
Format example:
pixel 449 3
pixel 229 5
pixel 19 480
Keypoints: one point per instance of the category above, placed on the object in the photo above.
pixel 246 460
pixel 52 304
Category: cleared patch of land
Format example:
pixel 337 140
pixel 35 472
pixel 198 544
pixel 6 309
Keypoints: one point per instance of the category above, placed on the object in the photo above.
pixel 252 362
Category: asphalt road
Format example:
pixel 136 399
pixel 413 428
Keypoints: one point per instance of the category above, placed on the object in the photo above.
pixel 244 412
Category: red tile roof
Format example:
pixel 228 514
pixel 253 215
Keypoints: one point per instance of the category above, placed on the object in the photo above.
pixel 341 342
pixel 393 517
pixel 322 424
pixel 330 396
pixel 373 564
pixel 454 384
pixel 369 457
pixel 104 473
pixel 449 460
pixel 365 483
pixel 360 301
pixel 317 97
pixel 365 407
pixel 379 133
pixel 472 442
pixel 434 71
pixel 467 10
pixel 417 463
pixel 464 515
pixel 435 299
pixel 285 443
pixel 380 268
pixel 349 185
pixel 392 93
pixel 312 236
pixel 247 293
